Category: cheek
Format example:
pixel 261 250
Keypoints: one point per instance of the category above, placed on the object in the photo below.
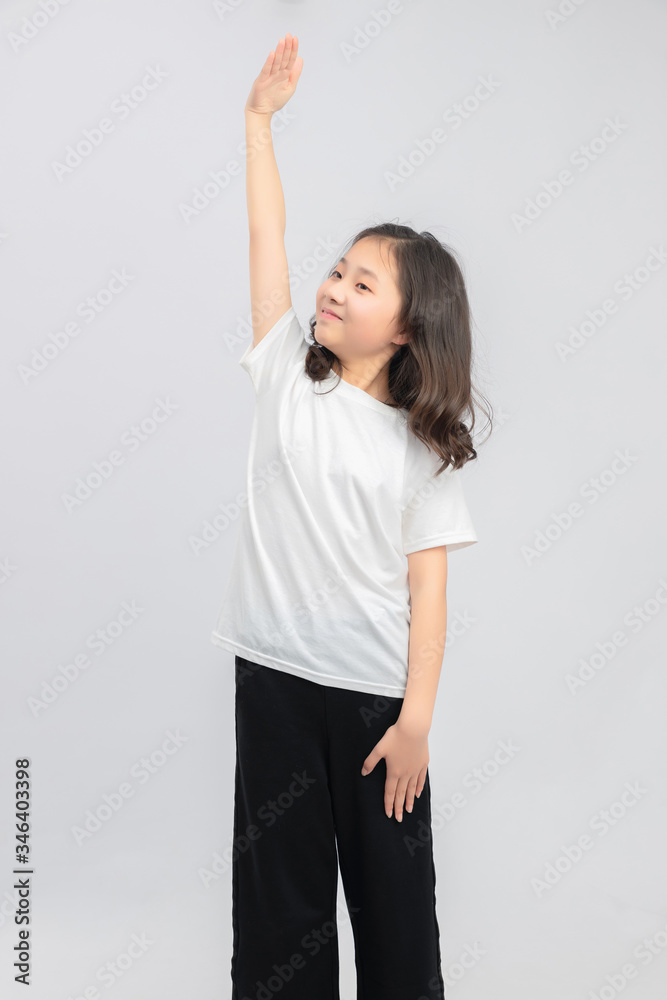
pixel 367 327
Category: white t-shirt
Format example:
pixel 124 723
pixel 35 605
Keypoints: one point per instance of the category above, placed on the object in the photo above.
pixel 338 492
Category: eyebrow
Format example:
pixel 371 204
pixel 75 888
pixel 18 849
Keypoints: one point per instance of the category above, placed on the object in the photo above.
pixel 363 270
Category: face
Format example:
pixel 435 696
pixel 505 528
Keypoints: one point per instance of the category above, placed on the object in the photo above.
pixel 367 304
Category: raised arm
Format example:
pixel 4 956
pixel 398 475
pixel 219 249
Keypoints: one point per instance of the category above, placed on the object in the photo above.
pixel 269 275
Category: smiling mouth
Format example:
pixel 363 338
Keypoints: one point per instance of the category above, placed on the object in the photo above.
pixel 327 312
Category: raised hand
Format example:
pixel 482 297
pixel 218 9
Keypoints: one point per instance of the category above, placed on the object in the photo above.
pixel 278 79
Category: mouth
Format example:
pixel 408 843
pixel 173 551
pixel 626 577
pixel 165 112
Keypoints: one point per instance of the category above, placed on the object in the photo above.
pixel 328 312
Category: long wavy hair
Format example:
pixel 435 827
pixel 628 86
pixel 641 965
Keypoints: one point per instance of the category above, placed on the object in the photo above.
pixel 429 375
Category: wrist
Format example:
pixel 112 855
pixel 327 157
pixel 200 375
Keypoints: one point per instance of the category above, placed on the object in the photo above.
pixel 260 115
pixel 413 723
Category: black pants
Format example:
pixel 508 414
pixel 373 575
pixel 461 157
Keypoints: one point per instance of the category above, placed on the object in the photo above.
pixel 301 807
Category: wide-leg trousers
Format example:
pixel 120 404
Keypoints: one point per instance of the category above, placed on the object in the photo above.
pixel 301 809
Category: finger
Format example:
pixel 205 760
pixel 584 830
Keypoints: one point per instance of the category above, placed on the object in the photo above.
pixel 370 762
pixel 291 51
pixel 280 48
pixel 287 51
pixel 421 781
pixel 389 795
pixel 296 72
pixel 410 794
pixel 266 68
pixel 400 799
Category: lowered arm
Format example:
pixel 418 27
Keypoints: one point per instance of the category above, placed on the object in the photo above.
pixel 427 574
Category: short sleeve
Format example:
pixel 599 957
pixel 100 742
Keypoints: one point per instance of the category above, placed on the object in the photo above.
pixel 280 349
pixel 436 512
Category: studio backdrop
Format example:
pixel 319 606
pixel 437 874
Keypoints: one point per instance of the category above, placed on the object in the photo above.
pixel 528 136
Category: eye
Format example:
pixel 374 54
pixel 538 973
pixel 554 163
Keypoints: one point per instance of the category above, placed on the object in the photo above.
pixel 359 282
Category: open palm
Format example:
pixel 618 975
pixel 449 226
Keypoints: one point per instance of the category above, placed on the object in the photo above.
pixel 278 79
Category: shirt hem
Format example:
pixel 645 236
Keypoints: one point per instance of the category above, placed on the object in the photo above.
pixel 452 541
pixel 329 680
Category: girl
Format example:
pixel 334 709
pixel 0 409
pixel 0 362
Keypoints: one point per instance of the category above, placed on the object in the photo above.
pixel 336 604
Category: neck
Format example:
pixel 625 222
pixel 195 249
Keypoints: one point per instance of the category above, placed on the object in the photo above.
pixel 377 387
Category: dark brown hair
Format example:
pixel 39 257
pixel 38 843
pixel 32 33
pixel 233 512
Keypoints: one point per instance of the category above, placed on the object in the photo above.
pixel 429 375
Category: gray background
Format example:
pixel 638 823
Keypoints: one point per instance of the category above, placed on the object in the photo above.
pixel 529 617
